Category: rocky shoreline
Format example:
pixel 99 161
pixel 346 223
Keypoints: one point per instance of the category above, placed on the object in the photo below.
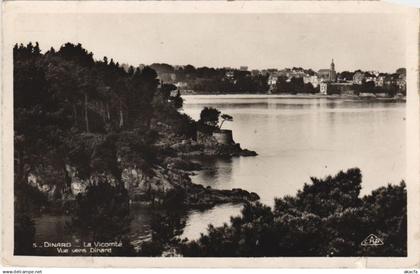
pixel 174 176
pixel 171 185
pixel 192 148
pixel 163 184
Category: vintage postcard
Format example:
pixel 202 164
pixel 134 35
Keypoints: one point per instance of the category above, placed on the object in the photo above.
pixel 210 134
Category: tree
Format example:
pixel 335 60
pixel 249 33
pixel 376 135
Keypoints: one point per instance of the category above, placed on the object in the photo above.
pixel 166 90
pixel 76 53
pixel 401 71
pixel 319 221
pixel 59 97
pixel 141 91
pixel 296 85
pixel 166 229
pixel 209 116
pixel 177 100
pixel 282 85
pixel 346 75
pixel 162 68
pixel 104 210
pixel 308 88
pixel 225 117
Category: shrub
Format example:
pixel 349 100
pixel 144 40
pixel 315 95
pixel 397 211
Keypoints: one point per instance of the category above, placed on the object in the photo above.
pixel 326 218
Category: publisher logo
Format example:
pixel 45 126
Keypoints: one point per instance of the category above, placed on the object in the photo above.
pixel 372 240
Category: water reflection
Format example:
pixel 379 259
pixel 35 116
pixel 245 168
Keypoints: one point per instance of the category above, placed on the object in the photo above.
pixel 214 168
pixel 144 232
pixel 199 220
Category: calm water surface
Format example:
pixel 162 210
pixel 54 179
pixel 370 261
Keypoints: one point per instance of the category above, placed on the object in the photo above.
pixel 294 139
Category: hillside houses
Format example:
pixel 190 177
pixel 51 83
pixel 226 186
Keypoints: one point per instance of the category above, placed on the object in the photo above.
pixel 328 81
pixel 288 80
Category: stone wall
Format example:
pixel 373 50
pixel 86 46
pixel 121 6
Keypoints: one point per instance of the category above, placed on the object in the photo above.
pixel 224 137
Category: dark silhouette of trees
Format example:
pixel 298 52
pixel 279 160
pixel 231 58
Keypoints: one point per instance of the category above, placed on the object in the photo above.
pixel 166 228
pixel 293 85
pixel 77 54
pixel 214 80
pixel 367 87
pixel 104 211
pixel 92 115
pixel 309 88
pixel 345 75
pixel 325 218
pixel 97 95
pixel 209 116
pixel 162 68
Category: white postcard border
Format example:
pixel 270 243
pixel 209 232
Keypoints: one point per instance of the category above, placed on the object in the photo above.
pixel 12 11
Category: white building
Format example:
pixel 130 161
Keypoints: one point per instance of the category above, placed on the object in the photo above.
pixel 323 87
pixel 312 79
pixel 272 80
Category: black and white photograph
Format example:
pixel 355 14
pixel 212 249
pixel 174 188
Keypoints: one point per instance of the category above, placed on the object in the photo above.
pixel 211 134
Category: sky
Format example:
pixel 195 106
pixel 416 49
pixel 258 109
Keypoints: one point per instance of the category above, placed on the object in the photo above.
pixel 355 41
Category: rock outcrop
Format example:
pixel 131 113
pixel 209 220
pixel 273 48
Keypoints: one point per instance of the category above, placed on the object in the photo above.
pixel 156 187
pixel 208 145
pixel 173 184
pixel 165 181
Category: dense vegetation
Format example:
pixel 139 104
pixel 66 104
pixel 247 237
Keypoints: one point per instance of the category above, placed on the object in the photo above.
pixel 293 86
pixel 370 87
pixel 214 80
pixel 94 116
pixel 326 218
pixel 69 108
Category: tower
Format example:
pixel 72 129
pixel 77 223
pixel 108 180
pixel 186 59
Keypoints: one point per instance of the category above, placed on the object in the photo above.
pixel 333 75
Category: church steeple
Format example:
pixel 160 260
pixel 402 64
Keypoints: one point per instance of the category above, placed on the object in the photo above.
pixel 333 75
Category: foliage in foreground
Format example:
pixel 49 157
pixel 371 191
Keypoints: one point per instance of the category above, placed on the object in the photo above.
pixel 72 109
pixel 95 116
pixel 326 218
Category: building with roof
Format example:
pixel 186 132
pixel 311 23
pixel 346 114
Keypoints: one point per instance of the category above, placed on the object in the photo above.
pixel 358 78
pixel 328 75
pixel 312 79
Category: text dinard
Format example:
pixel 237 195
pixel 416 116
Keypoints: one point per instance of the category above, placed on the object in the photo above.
pixel 84 244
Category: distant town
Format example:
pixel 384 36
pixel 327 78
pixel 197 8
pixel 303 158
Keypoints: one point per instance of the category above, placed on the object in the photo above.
pixel 191 80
